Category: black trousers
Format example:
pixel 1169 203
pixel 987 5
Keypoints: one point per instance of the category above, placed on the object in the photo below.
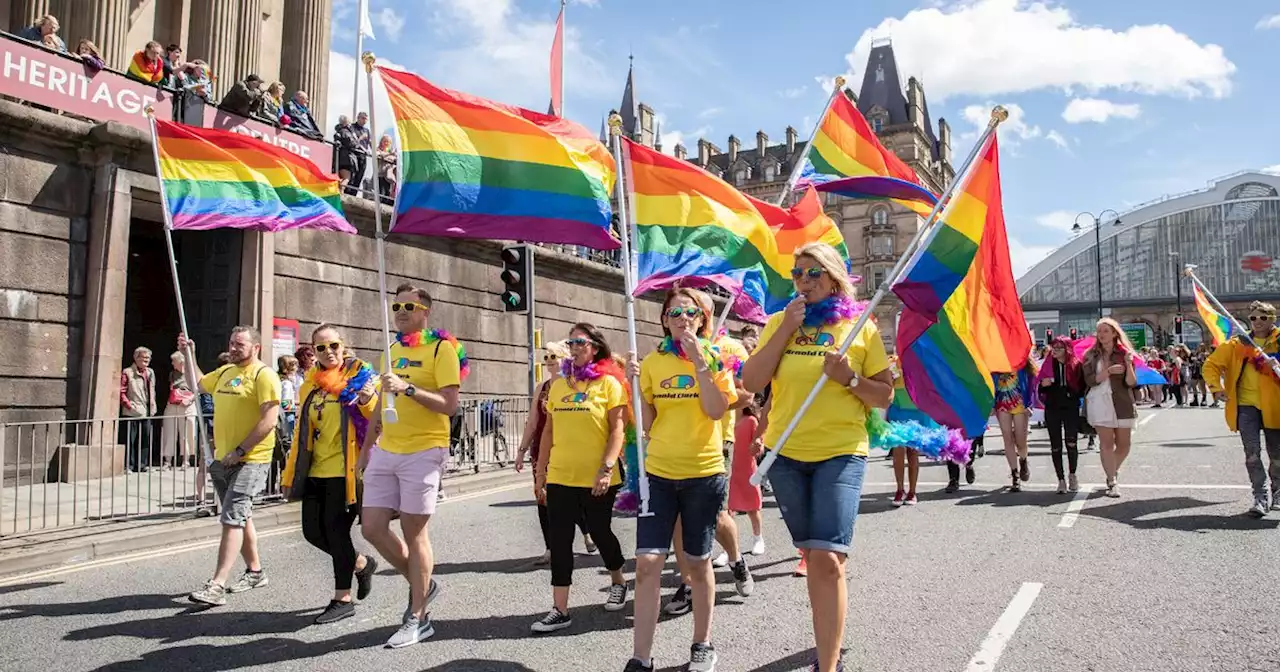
pixel 953 469
pixel 137 441
pixel 1064 427
pixel 545 524
pixel 326 524
pixel 567 505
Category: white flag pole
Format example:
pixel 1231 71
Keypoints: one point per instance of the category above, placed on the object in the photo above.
pixel 629 284
pixel 1246 334
pixel 837 87
pixel 998 114
pixel 724 314
pixel 362 16
pixel 189 369
pixel 388 400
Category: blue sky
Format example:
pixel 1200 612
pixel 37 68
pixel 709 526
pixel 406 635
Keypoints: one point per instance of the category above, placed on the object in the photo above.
pixel 1114 103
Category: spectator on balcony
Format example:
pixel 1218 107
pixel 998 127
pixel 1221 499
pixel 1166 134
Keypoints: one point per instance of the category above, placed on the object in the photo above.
pixel 344 136
pixel 137 407
pixel 271 105
pixel 243 97
pixel 300 118
pixel 388 169
pixel 173 62
pixel 87 52
pixel 45 32
pixel 360 155
pixel 147 66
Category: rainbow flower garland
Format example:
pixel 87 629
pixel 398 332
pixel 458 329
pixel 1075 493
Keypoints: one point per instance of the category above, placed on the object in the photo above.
pixel 345 383
pixel 671 346
pixel 417 338
pixel 832 310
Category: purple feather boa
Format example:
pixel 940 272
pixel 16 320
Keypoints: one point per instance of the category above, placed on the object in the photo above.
pixel 586 372
pixel 832 310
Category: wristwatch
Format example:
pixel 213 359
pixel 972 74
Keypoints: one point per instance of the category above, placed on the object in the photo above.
pixel 410 391
pixel 608 465
pixel 853 382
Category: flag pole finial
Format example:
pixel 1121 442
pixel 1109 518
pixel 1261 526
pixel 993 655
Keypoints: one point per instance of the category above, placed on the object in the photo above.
pixel 1189 270
pixel 615 124
pixel 838 82
pixel 999 114
pixel 149 110
pixel 369 61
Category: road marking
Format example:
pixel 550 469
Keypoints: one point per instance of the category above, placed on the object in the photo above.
pixel 1143 422
pixel 1095 486
pixel 989 653
pixel 198 545
pixel 1073 509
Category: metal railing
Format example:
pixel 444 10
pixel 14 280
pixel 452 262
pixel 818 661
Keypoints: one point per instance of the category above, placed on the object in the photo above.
pixel 485 432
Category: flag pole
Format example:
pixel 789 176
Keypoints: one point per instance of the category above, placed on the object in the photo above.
pixel 564 17
pixel 629 284
pixel 189 369
pixel 388 400
pixel 724 313
pixel 1246 335
pixel 837 86
pixel 355 95
pixel 998 115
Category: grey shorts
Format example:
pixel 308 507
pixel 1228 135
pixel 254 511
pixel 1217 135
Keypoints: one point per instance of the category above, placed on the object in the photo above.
pixel 728 472
pixel 236 487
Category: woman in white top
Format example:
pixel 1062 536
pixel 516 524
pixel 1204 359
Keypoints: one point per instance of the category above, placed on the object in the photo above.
pixel 1109 405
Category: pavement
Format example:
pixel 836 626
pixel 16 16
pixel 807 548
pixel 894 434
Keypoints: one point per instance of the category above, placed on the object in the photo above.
pixel 1170 577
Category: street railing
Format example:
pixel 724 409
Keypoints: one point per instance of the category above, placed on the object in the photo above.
pixel 485 433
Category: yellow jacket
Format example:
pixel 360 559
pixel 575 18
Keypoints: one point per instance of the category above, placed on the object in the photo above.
pixel 1222 374
pixel 353 444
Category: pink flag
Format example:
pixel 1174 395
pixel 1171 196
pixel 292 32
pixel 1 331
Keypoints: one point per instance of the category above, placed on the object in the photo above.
pixel 557 67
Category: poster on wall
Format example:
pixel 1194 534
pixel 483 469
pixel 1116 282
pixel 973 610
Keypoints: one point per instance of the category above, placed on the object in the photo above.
pixel 284 338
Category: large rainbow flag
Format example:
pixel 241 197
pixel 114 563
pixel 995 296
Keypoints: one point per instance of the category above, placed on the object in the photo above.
pixel 215 179
pixel 695 229
pixel 962 320
pixel 474 168
pixel 1220 327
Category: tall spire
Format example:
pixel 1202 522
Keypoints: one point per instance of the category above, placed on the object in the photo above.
pixel 630 109
pixel 657 135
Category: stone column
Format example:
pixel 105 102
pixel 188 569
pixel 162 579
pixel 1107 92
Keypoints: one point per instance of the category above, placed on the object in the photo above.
pixel 23 13
pixel 109 224
pixel 257 284
pixel 249 40
pixel 215 31
pixel 106 22
pixel 304 58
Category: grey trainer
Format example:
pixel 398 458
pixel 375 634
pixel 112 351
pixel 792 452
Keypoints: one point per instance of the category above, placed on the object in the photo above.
pixel 213 594
pixel 249 581
pixel 412 632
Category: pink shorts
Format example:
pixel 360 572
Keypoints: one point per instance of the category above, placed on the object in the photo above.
pixel 408 483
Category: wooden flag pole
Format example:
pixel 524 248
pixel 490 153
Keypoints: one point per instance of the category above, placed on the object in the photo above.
pixel 389 415
pixel 998 115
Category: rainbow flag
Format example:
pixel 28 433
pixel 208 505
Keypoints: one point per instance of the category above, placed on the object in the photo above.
pixel 695 229
pixel 214 179
pixel 1220 327
pixel 474 168
pixel 962 320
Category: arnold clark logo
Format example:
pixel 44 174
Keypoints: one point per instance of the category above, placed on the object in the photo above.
pixel 821 339
pixel 681 382
pixel 404 363
pixel 575 398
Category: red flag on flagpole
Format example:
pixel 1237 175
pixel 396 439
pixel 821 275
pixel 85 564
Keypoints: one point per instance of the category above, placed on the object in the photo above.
pixel 557 67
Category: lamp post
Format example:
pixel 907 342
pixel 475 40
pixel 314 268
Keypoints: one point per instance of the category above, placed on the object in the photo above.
pixel 1097 243
pixel 1177 287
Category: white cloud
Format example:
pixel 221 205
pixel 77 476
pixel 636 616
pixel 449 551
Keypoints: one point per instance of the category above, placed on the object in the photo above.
pixel 687 138
pixel 1029 46
pixel 1272 169
pixel 1269 22
pixel 585 3
pixel 1098 111
pixel 1058 220
pixel 794 92
pixel 390 22
pixel 710 112
pixel 1023 256
pixel 1058 139
pixel 1014 129
pixel 342 71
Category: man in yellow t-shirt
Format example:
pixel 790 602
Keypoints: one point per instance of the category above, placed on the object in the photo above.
pixel 246 406
pixel 404 467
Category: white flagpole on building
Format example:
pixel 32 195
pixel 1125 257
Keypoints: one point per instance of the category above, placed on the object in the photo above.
pixel 1246 334
pixel 998 115
pixel 189 369
pixel 837 86
pixel 629 284
pixel 365 28
pixel 388 400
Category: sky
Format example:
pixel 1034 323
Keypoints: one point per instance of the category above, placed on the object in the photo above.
pixel 1112 104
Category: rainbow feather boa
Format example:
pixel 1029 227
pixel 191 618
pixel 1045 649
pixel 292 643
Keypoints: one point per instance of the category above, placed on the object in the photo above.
pixel 832 310
pixel 710 352
pixel 424 337
pixel 345 383
pixel 936 442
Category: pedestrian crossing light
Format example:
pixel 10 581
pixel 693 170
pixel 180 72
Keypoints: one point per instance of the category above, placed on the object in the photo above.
pixel 517 277
pixel 1177 325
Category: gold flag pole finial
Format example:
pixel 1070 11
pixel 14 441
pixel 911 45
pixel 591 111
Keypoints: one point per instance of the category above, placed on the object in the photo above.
pixel 369 61
pixel 838 82
pixel 999 114
pixel 1189 270
pixel 149 110
pixel 615 124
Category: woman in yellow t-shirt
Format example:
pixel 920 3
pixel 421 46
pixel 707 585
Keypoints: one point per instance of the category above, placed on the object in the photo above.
pixel 336 400
pixel 687 392
pixel 817 479
pixel 577 472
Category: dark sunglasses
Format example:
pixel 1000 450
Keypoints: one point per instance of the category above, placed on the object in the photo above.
pixel 335 346
pixel 550 358
pixel 577 341
pixel 690 311
pixel 812 273
pixel 1261 318
pixel 406 307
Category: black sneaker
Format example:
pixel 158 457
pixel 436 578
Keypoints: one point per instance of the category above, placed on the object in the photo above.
pixel 553 621
pixel 953 485
pixel 617 597
pixel 742 579
pixel 336 611
pixel 702 658
pixel 969 475
pixel 813 667
pixel 1024 469
pixel 1017 483
pixel 634 665
pixel 681 602
pixel 364 578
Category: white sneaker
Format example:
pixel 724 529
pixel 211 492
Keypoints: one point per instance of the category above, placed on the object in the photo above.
pixel 721 560
pixel 757 544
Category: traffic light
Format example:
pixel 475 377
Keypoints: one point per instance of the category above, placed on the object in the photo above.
pixel 1074 333
pixel 1177 325
pixel 517 278
pixel 1048 334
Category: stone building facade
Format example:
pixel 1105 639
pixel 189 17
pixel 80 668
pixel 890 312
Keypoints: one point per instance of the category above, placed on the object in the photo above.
pixel 285 40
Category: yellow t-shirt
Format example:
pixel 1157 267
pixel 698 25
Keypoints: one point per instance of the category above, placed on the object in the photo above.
pixel 1247 388
pixel 426 367
pixel 836 422
pixel 580 429
pixel 326 422
pixel 683 441
pixel 730 348
pixel 238 395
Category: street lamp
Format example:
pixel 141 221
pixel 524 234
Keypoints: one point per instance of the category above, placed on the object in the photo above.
pixel 1177 285
pixel 1097 243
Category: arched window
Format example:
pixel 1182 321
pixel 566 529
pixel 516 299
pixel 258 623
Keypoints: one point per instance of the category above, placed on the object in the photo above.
pixel 879 217
pixel 770 171
pixel 1251 190
pixel 740 176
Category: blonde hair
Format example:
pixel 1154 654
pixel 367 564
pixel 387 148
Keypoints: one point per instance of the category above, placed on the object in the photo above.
pixel 699 299
pixel 276 89
pixel 87 43
pixel 1262 307
pixel 558 348
pixel 1121 338
pixel 177 356
pixel 830 261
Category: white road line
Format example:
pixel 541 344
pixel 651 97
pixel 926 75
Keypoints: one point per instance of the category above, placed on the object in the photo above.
pixel 199 545
pixel 989 653
pixel 1143 422
pixel 1073 509
pixel 1096 486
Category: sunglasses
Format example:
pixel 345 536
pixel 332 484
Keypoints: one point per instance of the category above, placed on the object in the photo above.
pixel 1261 318
pixel 690 311
pixel 550 358
pixel 335 346
pixel 407 307
pixel 811 273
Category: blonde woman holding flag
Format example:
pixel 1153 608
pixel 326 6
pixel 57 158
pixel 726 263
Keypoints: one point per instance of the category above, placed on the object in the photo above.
pixel 818 480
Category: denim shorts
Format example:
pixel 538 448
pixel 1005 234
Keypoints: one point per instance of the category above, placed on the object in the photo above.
pixel 696 501
pixel 819 500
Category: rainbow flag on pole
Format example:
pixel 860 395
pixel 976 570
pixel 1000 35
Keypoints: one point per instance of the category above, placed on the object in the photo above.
pixel 962 320
pixel 474 168
pixel 215 179
pixel 1220 327
pixel 695 229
